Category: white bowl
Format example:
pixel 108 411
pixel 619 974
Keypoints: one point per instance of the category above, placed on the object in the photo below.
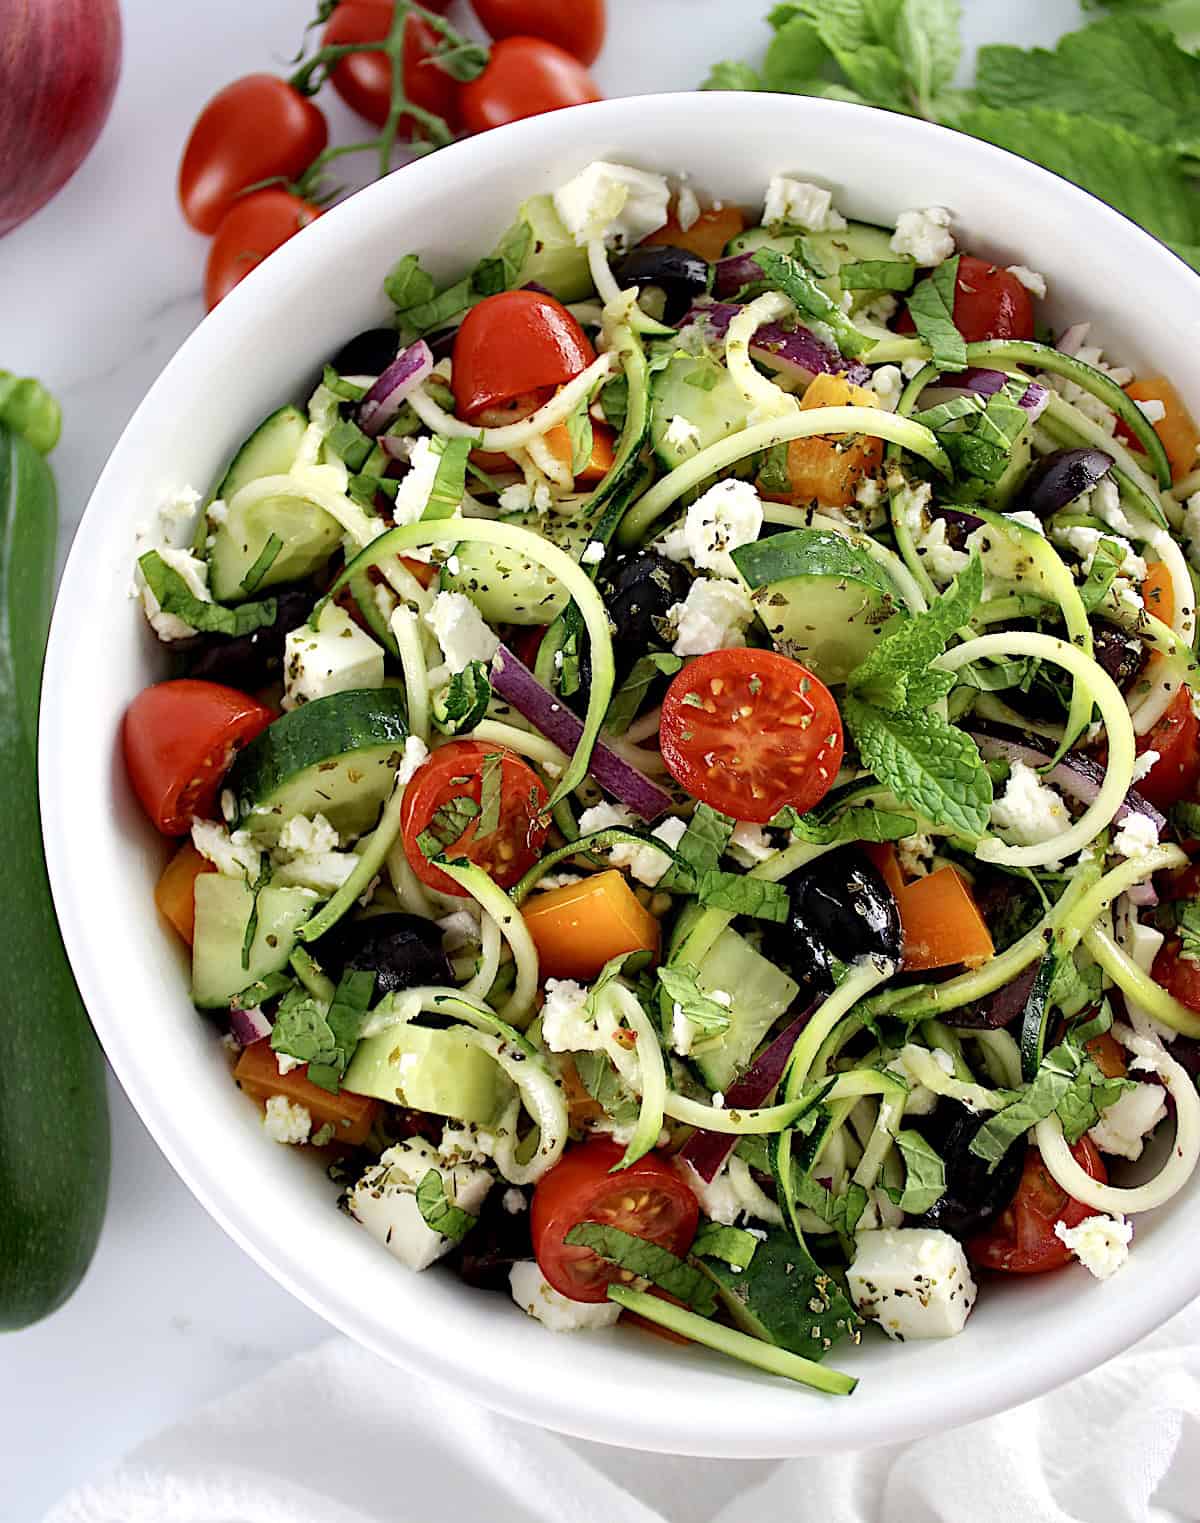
pixel 264 345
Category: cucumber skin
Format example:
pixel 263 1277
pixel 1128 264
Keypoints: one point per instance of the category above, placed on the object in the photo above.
pixel 54 1135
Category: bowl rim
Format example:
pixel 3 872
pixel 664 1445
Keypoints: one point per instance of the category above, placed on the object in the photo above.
pixel 585 1414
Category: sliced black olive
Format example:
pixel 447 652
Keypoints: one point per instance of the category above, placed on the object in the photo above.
pixel 368 353
pixel 638 590
pixel 403 951
pixel 681 275
pixel 959 526
pixel 1122 656
pixel 838 908
pixel 253 660
pixel 973 1195
pixel 499 1239
pixel 1061 477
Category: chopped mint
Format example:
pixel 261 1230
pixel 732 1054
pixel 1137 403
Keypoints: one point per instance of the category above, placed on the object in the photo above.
pixel 439 1215
pixel 345 390
pixel 928 764
pixel 840 1212
pixel 783 273
pixel 878 275
pixel 708 1015
pixel 491 783
pixel 324 1039
pixel 924 1176
pixel 628 699
pixel 1185 817
pixel 614 402
pixel 931 307
pixel 421 308
pixel 732 1245
pixel 579 431
pixel 774 474
pixel 1106 563
pixel 606 1087
pixel 265 560
pixel 647 1261
pixel 174 596
pixel 463 702
pixel 348 442
pixel 982 447
pixel 447 825
pixel 854 824
pixel 896 674
pixel 700 847
pixel 1187 923
pixel 450 482
pixel 741 895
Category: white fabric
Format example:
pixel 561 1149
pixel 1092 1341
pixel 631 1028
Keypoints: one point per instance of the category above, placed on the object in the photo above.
pixel 336 1436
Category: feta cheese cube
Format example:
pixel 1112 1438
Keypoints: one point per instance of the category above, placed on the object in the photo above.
pixel 749 844
pixel 385 1200
pixel 461 630
pixel 323 871
pixel 713 616
pixel 334 658
pixel 612 202
pixel 914 1281
pixel 534 1294
pixel 285 1122
pixel 1152 410
pixel 728 516
pixel 925 235
pixel 594 553
pixel 300 834
pixel 416 754
pixel 1100 1243
pixel 234 855
pixel 645 863
pixel 1029 811
pixel 800 204
pixel 1123 1128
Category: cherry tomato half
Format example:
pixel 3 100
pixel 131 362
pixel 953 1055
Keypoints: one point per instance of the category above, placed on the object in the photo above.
pixel 254 227
pixel 1176 738
pixel 748 731
pixel 1177 974
pixel 364 80
pixel 577 26
pixel 254 129
pixel 515 346
pixel 648 1200
pixel 179 738
pixel 1022 1240
pixel 456 771
pixel 524 77
pixel 988 303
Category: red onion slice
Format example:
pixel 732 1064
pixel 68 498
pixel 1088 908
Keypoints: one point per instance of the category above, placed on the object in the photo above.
pixel 1000 1008
pixel 513 680
pixel 382 403
pixel 248 1026
pixel 794 352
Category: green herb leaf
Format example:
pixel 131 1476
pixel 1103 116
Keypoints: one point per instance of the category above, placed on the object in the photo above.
pixel 708 1015
pixel 447 825
pixel 796 53
pixel 463 702
pixel 251 931
pixel 928 45
pixel 450 481
pixel 854 824
pixel 861 35
pixel 1187 923
pixel 265 560
pixel 491 778
pixel 407 285
pixel 983 447
pixel 924 1176
pixel 1185 816
pixel 878 275
pixel 348 442
pixel 648 1262
pixel 840 1212
pixel 897 673
pixel 931 307
pixel 614 402
pixel 438 1213
pixel 500 271
pixel 741 895
pixel 701 848
pixel 606 1087
pixel 732 1245
pixel 1106 563
pixel 628 699
pixel 175 597
pixel 346 390
pixel 579 430
pixel 732 75
pixel 783 273
pixel 928 764
pixel 773 473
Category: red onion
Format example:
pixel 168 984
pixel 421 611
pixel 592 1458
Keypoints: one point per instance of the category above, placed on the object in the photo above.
pixel 248 1026
pixel 1073 338
pixel 794 352
pixel 59 62
pixel 513 680
pixel 1000 1008
pixel 732 274
pixel 382 403
pixel 985 383
pixel 707 1151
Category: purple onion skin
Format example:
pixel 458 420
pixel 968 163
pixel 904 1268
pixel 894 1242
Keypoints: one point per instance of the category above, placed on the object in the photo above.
pixel 796 352
pixel 959 526
pixel 1061 477
pixel 382 402
pixel 734 273
pixel 998 1009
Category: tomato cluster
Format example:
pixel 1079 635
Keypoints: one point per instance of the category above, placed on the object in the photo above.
pixel 251 168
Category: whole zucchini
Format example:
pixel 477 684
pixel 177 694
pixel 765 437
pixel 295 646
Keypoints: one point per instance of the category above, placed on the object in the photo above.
pixel 54 1140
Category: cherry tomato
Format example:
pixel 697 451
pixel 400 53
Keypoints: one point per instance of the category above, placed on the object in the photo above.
pixel 515 347
pixel 179 738
pixel 364 80
pixel 1176 738
pixel 648 1200
pixel 748 731
pixel 1177 974
pixel 254 227
pixel 254 129
pixel 577 27
pixel 524 77
pixel 988 303
pixel 456 771
pixel 1021 1240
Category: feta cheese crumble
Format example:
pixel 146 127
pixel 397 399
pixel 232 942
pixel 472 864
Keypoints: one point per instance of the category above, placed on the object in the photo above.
pixel 416 754
pixel 285 1122
pixel 914 1281
pixel 534 1294
pixel 1030 279
pixel 728 516
pixel 1029 811
pixel 1137 837
pixel 566 1024
pixel 681 434
pixel 612 202
pixel 749 844
pixel 1124 1126
pixel 713 616
pixel 385 1199
pixel 644 863
pixel 461 630
pixel 234 855
pixel 925 235
pixel 1100 1243
pixel 800 204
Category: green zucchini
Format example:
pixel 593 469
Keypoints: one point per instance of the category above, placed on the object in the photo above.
pixel 54 1138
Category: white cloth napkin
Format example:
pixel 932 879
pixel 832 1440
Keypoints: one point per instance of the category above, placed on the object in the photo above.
pixel 337 1436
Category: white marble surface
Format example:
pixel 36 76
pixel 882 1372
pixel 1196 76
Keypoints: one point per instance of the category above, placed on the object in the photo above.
pixel 96 293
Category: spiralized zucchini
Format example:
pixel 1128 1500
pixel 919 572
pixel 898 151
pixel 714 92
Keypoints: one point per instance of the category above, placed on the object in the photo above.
pixel 518 1008
pixel 1138 986
pixel 406 631
pixel 542 1097
pixel 514 435
pixel 616 1004
pixel 766 399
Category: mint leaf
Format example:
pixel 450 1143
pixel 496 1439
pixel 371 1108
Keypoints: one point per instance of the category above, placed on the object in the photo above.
pixel 491 777
pixel 649 1262
pixel 853 824
pixel 861 35
pixel 840 1212
pixel 1185 816
pixel 783 273
pixel 1187 924
pixel 263 563
pixel 438 1213
pixel 628 698
pixel 931 307
pixel 407 285
pixel 499 272
pixel 878 275
pixel 929 46
pixel 701 848
pixel 741 895
pixel 450 481
pixel 579 431
pixel 347 391
pixel 731 1245
pixel 448 825
pixel 614 397
pixel 927 763
pixel 924 1174
pixel 897 673
pixel 732 75
pixel 796 54
pixel 1106 563
pixel 983 447
pixel 606 1087
pixel 463 702
pixel 174 596
pixel 708 1015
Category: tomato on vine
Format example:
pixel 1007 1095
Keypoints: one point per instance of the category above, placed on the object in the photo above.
pixel 254 227
pixel 577 26
pixel 364 79
pixel 525 76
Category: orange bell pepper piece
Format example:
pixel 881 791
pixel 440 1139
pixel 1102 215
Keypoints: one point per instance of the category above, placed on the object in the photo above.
pixel 351 1116
pixel 1108 1055
pixel 175 891
pixel 558 441
pixel 883 854
pixel 1158 591
pixel 942 924
pixel 1177 430
pixel 707 236
pixel 829 470
pixel 578 927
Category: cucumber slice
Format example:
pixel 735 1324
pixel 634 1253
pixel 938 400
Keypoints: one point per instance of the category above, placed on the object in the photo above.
pixel 270 450
pixel 761 994
pixel 822 601
pixel 554 259
pixel 336 756
pixel 223 909
pixel 509 588
pixel 444 1072
pixel 853 244
pixel 701 392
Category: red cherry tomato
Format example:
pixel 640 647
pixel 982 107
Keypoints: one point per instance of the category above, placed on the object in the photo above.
pixel 524 77
pixel 748 731
pixel 515 346
pixel 1176 738
pixel 577 26
pixel 364 80
pixel 254 129
pixel 254 227
pixel 649 1200
pixel 1177 974
pixel 988 303
pixel 456 771
pixel 1022 1240
pixel 179 739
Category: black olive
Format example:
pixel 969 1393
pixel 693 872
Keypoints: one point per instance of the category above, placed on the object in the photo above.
pixel 681 275
pixel 838 908
pixel 1122 656
pixel 368 353
pixel 959 526
pixel 499 1239
pixel 637 589
pixel 249 661
pixel 1061 477
pixel 973 1194
pixel 403 951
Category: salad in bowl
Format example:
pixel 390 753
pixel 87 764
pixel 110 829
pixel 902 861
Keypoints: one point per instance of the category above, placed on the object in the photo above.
pixel 684 763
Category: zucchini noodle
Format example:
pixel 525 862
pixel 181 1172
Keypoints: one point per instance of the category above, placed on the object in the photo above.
pixel 879 1144
pixel 1118 774
pixel 615 1004
pixel 542 1096
pixel 1137 985
pixel 1151 706
pixel 1003 1050
pixel 802 518
pixel 489 961
pixel 406 631
pixel 871 421
pixel 405 585
pixel 603 278
pixel 370 863
pixel 864 976
pixel 926 1069
pixel 1067 425
pixel 1085 915
pixel 553 467
pixel 500 440
pixel 518 1009
pixel 766 399
pixel 596 840
pixel 408 887
pixel 308 484
pixel 524 742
